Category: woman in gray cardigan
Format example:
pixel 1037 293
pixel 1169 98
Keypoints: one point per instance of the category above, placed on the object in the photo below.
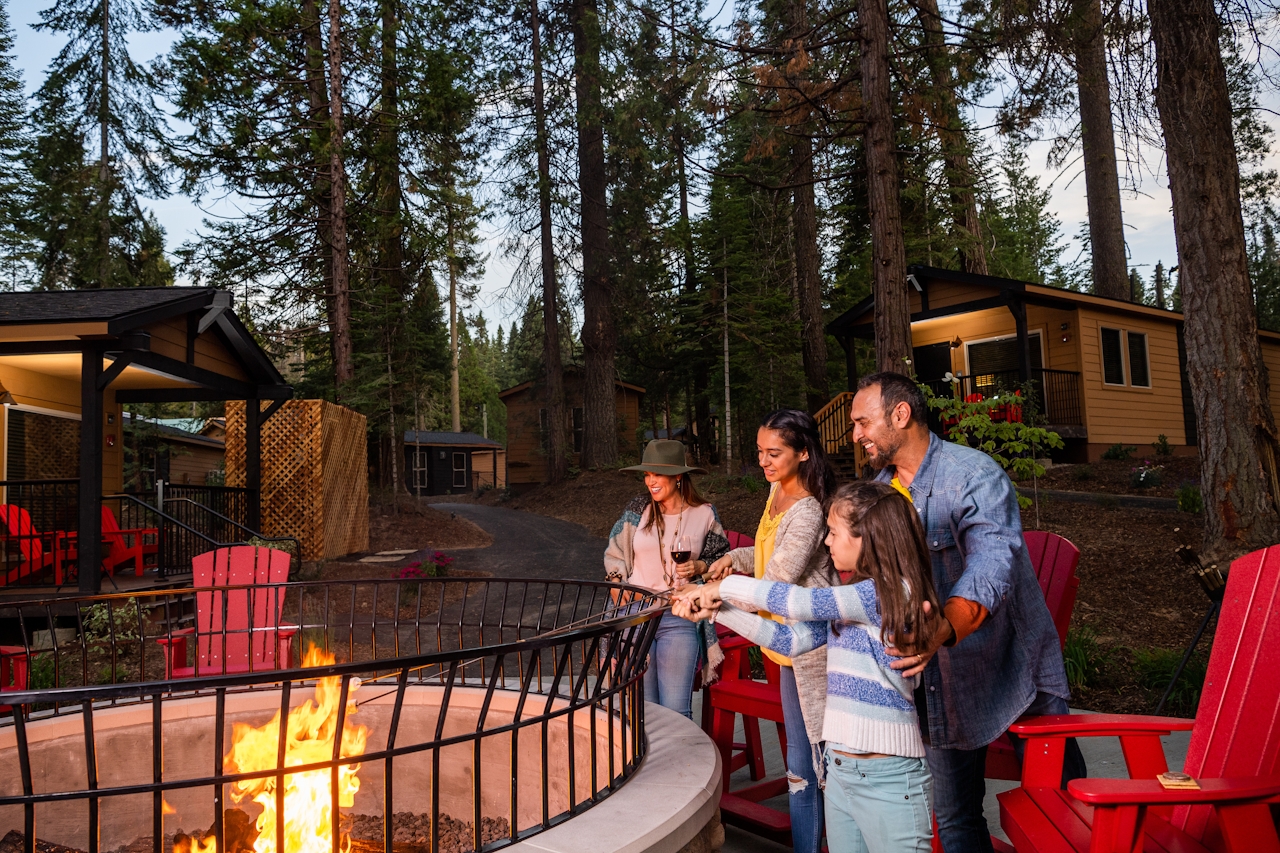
pixel 789 549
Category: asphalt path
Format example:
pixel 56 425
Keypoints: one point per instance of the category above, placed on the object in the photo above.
pixel 527 545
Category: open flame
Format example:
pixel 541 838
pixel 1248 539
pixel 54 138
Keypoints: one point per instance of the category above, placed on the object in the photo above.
pixel 308 799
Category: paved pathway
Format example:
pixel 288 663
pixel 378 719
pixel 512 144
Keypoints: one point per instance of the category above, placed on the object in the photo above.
pixel 527 545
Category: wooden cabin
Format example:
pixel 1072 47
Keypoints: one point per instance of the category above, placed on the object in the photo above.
pixel 451 463
pixel 69 360
pixel 526 426
pixel 1107 371
pixel 175 450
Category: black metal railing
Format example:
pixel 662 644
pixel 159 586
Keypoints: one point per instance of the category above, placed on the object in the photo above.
pixel 38 520
pixel 511 705
pixel 213 525
pixel 1056 397
pixel 227 501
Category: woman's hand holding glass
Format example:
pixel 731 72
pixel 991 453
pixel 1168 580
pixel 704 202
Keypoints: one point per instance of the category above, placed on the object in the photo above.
pixel 696 603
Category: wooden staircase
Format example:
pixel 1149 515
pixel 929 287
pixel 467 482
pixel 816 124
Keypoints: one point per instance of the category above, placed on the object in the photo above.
pixel 845 455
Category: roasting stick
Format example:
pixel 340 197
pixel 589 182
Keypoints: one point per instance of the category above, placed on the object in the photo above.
pixel 607 614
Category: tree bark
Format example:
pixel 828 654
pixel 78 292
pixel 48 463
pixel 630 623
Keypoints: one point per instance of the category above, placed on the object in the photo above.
pixel 599 333
pixel 455 403
pixel 1098 140
pixel 388 162
pixel 1229 383
pixel 343 368
pixel 104 169
pixel 553 383
pixel 888 253
pixel 318 105
pixel 956 151
pixel 804 223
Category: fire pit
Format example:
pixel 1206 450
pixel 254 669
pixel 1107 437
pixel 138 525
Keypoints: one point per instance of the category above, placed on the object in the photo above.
pixel 436 715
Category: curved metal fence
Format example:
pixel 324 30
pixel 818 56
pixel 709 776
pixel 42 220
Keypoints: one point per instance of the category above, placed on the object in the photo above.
pixel 487 711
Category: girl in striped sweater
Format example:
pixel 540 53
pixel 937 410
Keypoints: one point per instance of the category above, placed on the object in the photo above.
pixel 877 783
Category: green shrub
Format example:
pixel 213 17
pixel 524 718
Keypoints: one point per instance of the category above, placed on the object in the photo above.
pixel 1146 475
pixel 288 546
pixel 107 619
pixel 1155 667
pixel 42 674
pixel 1083 473
pixel 1189 498
pixel 1161 445
pixel 1085 657
pixel 751 484
pixel 1119 451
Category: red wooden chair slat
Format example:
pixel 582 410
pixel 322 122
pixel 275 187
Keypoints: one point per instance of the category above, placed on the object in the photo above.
pixel 119 551
pixel 1233 753
pixel 237 630
pixel 14 667
pixel 36 554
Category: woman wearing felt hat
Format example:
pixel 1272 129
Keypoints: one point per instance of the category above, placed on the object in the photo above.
pixel 663 540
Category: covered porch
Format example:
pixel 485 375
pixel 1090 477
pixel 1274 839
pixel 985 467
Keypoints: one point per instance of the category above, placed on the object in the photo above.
pixel 69 362
pixel 982 335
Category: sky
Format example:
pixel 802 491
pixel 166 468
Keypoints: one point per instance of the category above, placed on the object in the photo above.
pixel 1147 217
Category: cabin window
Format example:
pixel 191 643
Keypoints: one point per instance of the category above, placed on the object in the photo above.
pixel 1139 371
pixel 996 364
pixel 459 470
pixel 1112 357
pixel 577 429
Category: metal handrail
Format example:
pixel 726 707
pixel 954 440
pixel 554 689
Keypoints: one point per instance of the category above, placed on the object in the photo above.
pixel 253 534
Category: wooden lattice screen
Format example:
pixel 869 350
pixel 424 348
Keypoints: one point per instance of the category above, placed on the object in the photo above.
pixel 315 478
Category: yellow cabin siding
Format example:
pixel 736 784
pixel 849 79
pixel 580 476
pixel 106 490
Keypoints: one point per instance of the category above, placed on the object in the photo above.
pixel 170 340
pixel 1125 414
pixel 1271 358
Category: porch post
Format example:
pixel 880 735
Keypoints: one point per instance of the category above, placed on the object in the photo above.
pixel 253 461
pixel 89 536
pixel 850 361
pixel 1019 309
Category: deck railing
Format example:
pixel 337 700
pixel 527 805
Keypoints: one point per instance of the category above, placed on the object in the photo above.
pixel 1056 400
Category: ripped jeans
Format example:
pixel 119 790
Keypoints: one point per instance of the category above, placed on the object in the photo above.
pixel 805 802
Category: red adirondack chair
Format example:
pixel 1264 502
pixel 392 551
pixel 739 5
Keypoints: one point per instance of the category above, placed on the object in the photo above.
pixel 14 665
pixel 38 550
pixel 237 630
pixel 124 546
pixel 1234 753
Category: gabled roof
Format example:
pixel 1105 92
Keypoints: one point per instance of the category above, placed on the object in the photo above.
pixel 125 308
pixel 457 439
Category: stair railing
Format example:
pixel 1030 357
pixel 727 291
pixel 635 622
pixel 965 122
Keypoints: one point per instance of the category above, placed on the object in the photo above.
pixel 833 422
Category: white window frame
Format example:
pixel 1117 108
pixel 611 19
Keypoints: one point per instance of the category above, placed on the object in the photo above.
pixel 457 470
pixel 1124 357
pixel 1146 353
pixel 1044 356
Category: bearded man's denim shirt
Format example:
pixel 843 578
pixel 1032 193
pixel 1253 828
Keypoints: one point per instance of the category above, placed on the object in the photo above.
pixel 977 688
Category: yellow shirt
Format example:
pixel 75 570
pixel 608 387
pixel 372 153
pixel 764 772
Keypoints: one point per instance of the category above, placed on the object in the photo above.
pixel 897 484
pixel 765 534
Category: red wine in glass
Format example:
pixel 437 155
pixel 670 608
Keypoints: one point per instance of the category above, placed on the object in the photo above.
pixel 680 551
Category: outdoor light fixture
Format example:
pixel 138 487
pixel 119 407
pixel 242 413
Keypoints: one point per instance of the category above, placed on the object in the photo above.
pixel 957 343
pixel 6 398
pixel 1066 336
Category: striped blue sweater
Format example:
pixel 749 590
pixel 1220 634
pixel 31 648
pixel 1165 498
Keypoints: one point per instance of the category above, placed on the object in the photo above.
pixel 870 707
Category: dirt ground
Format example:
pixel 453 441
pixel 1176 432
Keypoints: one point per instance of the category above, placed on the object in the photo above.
pixel 421 526
pixel 1116 476
pixel 1134 593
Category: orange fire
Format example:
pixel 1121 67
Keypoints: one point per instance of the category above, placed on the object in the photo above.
pixel 308 801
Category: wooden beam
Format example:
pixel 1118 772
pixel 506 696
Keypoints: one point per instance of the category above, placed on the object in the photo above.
pixel 89 536
pixel 187 395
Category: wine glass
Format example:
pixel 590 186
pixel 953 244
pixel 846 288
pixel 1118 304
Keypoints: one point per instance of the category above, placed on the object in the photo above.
pixel 680 553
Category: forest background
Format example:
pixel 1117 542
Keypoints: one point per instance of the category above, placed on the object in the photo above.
pixel 663 183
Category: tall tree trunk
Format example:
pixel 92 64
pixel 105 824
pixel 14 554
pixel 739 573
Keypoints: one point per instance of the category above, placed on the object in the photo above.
pixel 557 465
pixel 1229 383
pixel 956 151
pixel 455 400
pixel 104 169
pixel 888 253
pixel 343 367
pixel 1098 139
pixel 599 334
pixel 388 162
pixel 318 105
pixel 804 225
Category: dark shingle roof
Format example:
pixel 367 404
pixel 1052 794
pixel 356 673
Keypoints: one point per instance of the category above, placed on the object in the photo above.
pixel 459 438
pixel 106 305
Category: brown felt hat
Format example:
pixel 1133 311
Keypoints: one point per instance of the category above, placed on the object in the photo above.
pixel 664 456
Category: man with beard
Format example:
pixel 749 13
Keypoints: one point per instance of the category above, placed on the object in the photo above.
pixel 996 656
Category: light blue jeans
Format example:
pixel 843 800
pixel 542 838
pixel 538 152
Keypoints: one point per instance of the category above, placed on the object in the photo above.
pixel 877 805
pixel 805 800
pixel 673 659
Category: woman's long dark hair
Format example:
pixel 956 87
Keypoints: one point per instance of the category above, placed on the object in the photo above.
pixel 895 557
pixel 799 431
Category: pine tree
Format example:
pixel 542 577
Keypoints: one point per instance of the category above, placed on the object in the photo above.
pixel 95 91
pixel 15 180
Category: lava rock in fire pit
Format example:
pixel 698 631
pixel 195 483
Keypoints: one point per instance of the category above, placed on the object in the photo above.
pixel 414 831
pixel 238 830
pixel 14 840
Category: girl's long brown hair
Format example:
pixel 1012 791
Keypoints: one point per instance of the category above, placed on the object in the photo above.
pixel 895 557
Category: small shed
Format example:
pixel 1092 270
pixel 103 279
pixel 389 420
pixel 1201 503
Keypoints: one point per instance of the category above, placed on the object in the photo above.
pixel 447 463
pixel 526 426
pixel 176 450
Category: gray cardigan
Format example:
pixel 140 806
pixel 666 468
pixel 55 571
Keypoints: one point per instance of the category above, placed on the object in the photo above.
pixel 800 558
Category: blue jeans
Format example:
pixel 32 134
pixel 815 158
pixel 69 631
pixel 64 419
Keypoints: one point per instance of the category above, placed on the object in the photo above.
pixel 959 786
pixel 877 805
pixel 673 659
pixel 805 801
